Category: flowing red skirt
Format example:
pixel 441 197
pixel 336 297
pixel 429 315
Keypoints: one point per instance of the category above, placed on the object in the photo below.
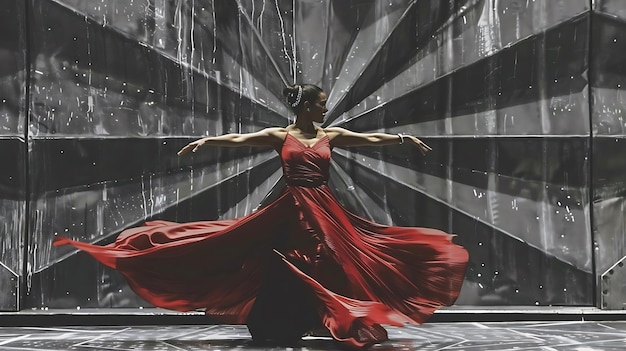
pixel 299 263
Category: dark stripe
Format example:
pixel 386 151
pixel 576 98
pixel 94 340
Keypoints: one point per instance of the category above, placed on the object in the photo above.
pixel 230 30
pixel 609 54
pixel 539 67
pixel 12 177
pixel 346 18
pixel 609 165
pixel 555 161
pixel 213 202
pixel 64 163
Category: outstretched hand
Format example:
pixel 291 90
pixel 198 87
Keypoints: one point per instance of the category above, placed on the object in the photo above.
pixel 193 146
pixel 420 144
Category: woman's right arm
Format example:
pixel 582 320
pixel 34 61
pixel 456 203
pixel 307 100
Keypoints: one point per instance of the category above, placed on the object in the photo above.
pixel 267 137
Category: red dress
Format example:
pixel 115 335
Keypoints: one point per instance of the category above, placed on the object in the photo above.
pixel 300 263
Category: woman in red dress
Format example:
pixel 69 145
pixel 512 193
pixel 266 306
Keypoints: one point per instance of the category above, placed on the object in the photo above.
pixel 300 263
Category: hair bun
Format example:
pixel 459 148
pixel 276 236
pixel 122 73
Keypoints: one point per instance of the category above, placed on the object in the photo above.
pixel 295 95
pixel 290 91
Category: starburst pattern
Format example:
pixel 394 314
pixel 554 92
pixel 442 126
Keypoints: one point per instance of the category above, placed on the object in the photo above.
pixel 499 89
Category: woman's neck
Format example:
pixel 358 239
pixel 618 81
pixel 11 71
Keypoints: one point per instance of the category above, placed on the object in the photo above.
pixel 306 127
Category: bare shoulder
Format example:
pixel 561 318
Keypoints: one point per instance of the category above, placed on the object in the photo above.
pixel 275 131
pixel 333 132
pixel 276 134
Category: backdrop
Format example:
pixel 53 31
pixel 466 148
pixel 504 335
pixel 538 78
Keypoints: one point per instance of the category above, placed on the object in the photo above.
pixel 521 101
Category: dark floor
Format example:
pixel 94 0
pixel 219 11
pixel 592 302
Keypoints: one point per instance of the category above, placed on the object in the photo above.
pixel 563 335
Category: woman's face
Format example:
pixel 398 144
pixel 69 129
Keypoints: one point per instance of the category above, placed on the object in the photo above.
pixel 318 108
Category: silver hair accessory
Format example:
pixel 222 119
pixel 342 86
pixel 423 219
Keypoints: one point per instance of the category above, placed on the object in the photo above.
pixel 298 98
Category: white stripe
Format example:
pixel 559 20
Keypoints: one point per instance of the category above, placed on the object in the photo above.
pixel 14 339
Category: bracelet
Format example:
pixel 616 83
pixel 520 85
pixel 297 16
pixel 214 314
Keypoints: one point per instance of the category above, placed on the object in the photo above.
pixel 401 138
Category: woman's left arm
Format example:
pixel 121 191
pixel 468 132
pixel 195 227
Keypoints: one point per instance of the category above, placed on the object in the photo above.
pixel 343 137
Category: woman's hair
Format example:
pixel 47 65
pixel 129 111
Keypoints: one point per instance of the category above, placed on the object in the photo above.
pixel 297 94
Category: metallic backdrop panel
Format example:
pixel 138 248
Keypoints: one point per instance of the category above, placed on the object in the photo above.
pixel 609 144
pixel 525 168
pixel 13 223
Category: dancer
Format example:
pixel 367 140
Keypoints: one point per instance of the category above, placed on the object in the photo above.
pixel 300 263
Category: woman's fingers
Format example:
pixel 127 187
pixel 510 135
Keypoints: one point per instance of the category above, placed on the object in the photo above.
pixel 421 146
pixel 186 149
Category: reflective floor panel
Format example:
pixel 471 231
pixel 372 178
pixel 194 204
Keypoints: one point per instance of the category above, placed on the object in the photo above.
pixel 587 336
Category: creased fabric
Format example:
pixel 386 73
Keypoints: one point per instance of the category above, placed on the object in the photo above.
pixel 300 263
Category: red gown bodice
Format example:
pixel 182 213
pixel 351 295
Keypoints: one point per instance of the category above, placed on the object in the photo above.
pixel 305 165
